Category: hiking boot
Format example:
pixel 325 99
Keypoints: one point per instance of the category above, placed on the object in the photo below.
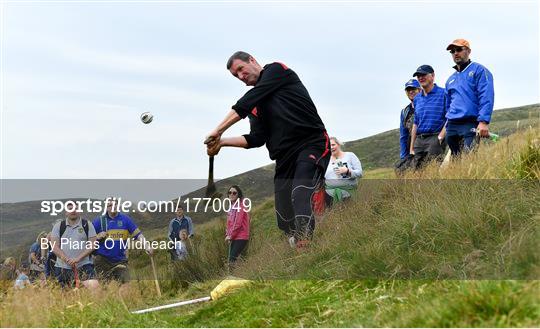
pixel 302 245
pixel 292 242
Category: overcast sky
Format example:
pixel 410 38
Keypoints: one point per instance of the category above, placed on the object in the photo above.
pixel 76 76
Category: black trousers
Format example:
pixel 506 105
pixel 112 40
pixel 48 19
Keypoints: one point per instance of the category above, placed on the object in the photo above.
pixel 427 148
pixel 236 248
pixel 295 182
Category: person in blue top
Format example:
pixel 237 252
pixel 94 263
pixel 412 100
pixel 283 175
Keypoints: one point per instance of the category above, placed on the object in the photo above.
pixel 470 99
pixel 427 137
pixel 36 259
pixel 412 88
pixel 406 122
pixel 177 224
pixel 112 228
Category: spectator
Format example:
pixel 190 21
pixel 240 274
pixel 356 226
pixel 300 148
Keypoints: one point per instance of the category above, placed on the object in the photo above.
pixel 177 224
pixel 342 173
pixel 470 99
pixel 427 137
pixel 36 258
pixel 181 249
pixel 23 280
pixel 113 228
pixel 73 240
pixel 406 121
pixel 282 116
pixel 8 269
pixel 237 233
pixel 8 273
pixel 51 258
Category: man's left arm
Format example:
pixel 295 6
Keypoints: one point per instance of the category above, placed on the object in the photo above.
pixel 486 99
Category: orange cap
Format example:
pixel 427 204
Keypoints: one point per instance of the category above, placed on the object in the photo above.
pixel 459 43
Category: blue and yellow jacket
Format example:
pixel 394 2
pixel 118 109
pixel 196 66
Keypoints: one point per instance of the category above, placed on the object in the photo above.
pixel 119 228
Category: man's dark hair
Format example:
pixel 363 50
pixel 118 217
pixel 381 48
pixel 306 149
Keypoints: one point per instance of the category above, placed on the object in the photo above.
pixel 241 55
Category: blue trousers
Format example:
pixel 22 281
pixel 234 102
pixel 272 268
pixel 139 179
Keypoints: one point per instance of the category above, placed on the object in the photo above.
pixel 459 136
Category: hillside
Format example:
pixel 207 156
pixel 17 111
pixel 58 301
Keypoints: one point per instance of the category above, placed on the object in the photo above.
pixel 22 221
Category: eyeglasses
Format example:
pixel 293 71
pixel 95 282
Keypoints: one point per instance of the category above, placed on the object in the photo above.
pixel 232 193
pixel 456 50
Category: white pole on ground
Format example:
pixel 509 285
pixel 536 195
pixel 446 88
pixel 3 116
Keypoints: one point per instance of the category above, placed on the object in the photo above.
pixel 162 307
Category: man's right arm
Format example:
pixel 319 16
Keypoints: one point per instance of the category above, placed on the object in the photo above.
pixel 58 251
pixel 255 138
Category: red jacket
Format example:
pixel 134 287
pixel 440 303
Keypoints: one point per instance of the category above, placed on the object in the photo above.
pixel 238 224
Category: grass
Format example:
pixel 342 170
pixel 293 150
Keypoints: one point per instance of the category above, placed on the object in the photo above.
pixel 453 247
pixel 430 225
pixel 337 303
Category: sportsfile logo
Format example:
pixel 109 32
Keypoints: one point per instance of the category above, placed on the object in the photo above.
pixel 55 207
pixel 111 203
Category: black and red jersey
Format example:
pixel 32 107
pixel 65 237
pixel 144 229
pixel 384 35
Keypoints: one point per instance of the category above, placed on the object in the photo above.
pixel 281 112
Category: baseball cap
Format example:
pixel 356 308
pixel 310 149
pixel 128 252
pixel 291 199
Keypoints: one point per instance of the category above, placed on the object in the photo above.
pixel 459 43
pixel 423 69
pixel 412 83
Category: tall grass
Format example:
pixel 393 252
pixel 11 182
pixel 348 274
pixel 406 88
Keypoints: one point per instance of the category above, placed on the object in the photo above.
pixel 428 226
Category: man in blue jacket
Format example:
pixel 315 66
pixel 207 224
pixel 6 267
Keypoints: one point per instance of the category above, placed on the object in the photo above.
pixel 470 99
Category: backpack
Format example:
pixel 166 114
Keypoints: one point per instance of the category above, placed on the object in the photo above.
pixel 84 225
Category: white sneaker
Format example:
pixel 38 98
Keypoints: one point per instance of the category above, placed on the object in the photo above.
pixel 292 242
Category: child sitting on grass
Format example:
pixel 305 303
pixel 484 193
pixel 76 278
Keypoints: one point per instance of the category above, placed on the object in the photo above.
pixel 181 249
pixel 22 279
